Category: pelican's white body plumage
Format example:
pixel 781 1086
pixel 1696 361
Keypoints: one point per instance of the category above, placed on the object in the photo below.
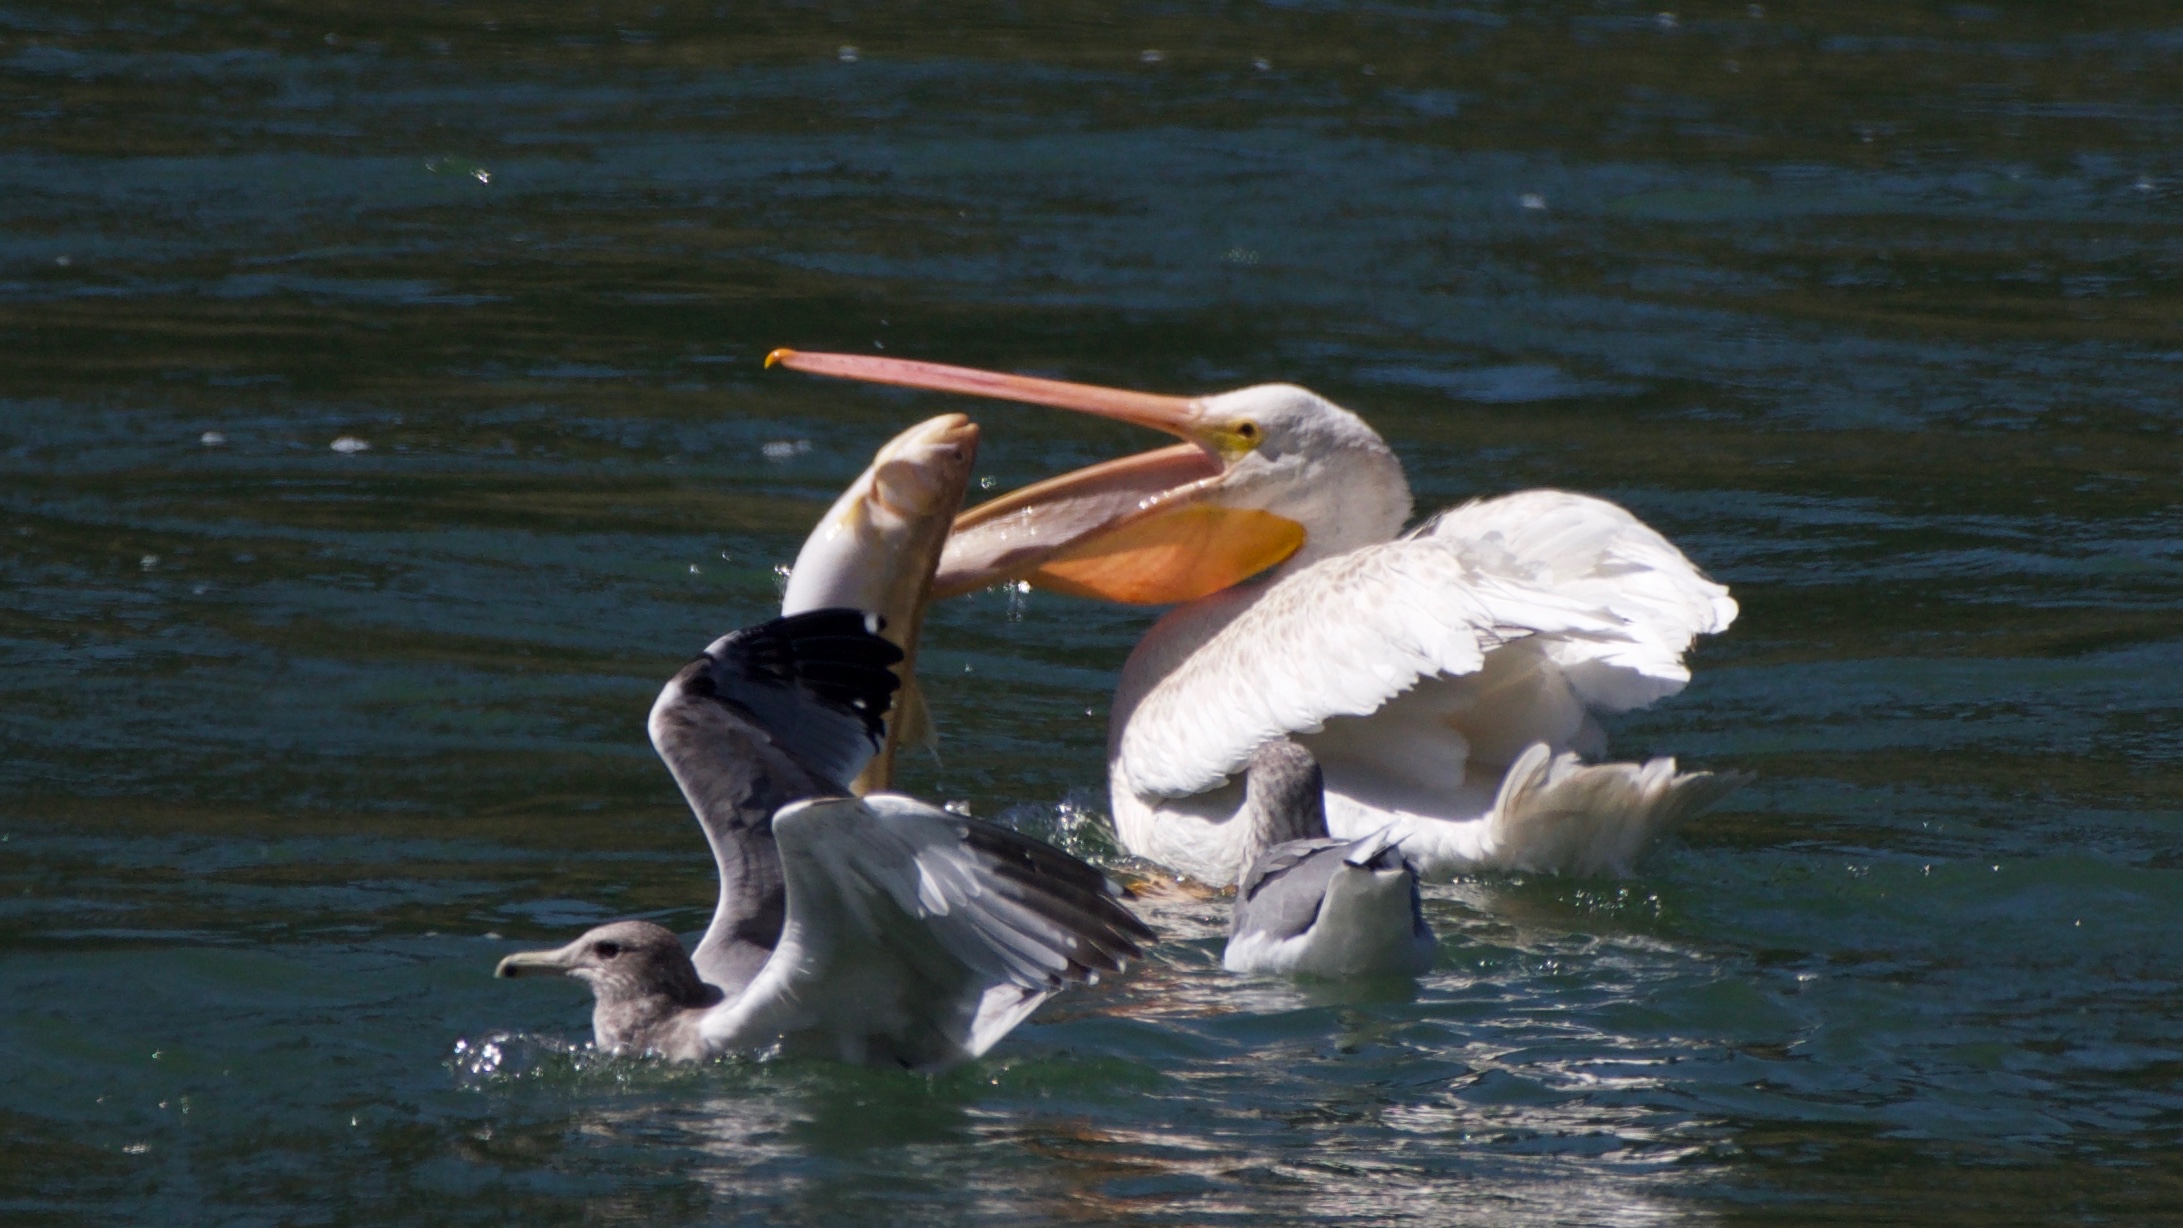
pixel 1447 681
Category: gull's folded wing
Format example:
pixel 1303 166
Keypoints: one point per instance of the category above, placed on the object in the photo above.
pixel 1279 896
pixel 920 937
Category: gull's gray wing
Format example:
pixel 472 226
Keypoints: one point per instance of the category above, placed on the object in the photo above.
pixel 1280 894
pixel 918 937
pixel 771 714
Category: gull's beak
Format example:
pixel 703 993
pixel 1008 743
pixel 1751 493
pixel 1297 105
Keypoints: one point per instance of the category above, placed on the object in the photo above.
pixel 537 963
pixel 1147 529
pixel 876 549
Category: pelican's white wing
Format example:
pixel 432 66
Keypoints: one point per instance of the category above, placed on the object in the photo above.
pixel 1596 553
pixel 918 937
pixel 1607 603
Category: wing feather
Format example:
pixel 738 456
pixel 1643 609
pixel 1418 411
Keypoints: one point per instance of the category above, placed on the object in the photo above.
pixel 785 710
pixel 920 934
pixel 1616 602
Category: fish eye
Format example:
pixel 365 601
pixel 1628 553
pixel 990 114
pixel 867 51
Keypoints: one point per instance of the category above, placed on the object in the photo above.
pixel 607 950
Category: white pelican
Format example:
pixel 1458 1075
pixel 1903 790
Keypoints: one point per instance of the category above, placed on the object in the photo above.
pixel 1313 906
pixel 1448 680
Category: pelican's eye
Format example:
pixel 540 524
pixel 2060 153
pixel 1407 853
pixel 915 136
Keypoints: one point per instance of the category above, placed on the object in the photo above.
pixel 1240 436
pixel 607 950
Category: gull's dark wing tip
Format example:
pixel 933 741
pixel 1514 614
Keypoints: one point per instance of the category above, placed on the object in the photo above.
pixel 836 656
pixel 819 684
pixel 1067 891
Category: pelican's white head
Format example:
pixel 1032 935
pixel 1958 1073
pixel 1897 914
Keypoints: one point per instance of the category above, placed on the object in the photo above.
pixel 1292 452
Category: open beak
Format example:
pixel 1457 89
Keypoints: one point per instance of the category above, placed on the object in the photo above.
pixel 1148 529
pixel 537 963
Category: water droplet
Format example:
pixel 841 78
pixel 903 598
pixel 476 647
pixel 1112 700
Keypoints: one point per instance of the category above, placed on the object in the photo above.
pixel 694 571
pixel 784 449
pixel 349 445
pixel 149 562
pixel 63 261
pixel 492 936
pixel 136 1149
pixel 987 482
pixel 1667 21
pixel 483 175
pixel 213 439
pixel 1532 200
pixel 1150 56
pixel 1262 64
pixel 847 55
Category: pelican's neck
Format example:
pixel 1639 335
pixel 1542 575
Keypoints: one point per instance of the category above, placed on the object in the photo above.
pixel 1325 469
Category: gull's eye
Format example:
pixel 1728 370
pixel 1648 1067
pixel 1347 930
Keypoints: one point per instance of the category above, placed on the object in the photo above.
pixel 1247 431
pixel 607 950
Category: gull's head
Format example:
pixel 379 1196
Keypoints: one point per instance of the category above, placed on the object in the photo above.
pixel 623 961
pixel 1269 476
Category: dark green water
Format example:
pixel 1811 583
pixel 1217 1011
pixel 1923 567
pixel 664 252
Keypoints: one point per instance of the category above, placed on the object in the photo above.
pixel 1876 308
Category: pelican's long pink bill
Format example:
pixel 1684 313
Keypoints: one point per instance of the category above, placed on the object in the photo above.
pixel 1174 415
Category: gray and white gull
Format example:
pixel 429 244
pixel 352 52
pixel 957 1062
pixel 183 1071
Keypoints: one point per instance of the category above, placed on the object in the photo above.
pixel 1313 906
pixel 876 930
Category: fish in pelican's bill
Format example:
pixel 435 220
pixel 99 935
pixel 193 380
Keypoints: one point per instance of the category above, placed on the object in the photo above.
pixel 1449 680
pixel 876 549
